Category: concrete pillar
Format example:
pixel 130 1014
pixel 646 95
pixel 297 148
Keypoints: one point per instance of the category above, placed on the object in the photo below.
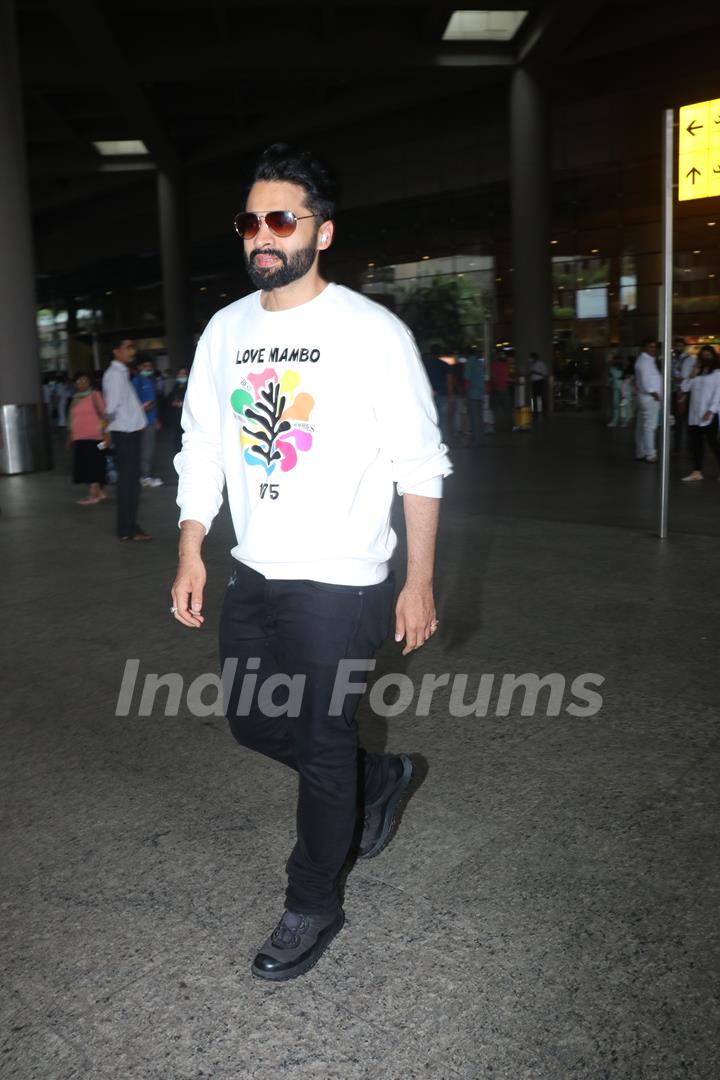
pixel 24 439
pixel 530 165
pixel 175 269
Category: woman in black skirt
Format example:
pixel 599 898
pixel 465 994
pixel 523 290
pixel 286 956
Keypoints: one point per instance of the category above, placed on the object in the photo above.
pixel 86 427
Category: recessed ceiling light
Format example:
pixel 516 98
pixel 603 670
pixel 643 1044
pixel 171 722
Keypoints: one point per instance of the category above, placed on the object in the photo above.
pixel 712 222
pixel 483 25
pixel 594 251
pixel 711 275
pixel 371 264
pixel 697 251
pixel 426 256
pixel 554 241
pixel 121 147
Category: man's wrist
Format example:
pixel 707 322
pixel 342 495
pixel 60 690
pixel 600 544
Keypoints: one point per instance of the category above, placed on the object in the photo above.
pixel 192 534
pixel 418 579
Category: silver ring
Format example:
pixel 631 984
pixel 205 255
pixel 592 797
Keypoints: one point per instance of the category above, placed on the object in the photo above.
pixel 173 610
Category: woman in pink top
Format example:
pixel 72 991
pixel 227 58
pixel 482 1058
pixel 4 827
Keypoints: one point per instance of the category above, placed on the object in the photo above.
pixel 87 414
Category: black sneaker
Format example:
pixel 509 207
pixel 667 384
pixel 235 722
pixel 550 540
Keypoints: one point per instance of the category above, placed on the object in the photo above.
pixel 380 815
pixel 296 944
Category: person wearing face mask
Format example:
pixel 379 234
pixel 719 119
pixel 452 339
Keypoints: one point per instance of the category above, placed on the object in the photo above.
pixel 86 433
pixel 703 386
pixel 177 400
pixel 145 388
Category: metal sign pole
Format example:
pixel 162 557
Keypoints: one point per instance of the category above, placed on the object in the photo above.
pixel 669 138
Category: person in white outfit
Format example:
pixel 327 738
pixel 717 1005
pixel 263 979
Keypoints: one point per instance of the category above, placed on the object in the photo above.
pixel 703 386
pixel 648 385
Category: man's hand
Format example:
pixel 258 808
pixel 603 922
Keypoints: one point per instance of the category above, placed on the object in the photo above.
pixel 189 584
pixel 415 618
pixel 654 395
pixel 707 417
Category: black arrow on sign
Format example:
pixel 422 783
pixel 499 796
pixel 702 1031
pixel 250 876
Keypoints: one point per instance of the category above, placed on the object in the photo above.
pixel 717 169
pixel 693 127
pixel 694 172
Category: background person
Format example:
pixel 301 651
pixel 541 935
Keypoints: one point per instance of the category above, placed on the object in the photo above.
pixel 86 432
pixel 500 392
pixel 126 421
pixel 648 387
pixel 683 367
pixel 145 383
pixel 615 378
pixel 703 389
pixel 538 383
pixel 475 386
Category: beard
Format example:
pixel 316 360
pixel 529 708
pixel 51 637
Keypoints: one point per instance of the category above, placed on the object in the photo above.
pixel 292 267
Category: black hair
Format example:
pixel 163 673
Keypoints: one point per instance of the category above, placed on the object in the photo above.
pixel 116 341
pixel 709 364
pixel 82 375
pixel 294 165
pixel 648 341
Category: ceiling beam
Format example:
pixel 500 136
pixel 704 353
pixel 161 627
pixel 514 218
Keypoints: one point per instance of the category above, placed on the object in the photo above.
pixel 341 114
pixel 106 63
pixel 202 63
pixel 550 30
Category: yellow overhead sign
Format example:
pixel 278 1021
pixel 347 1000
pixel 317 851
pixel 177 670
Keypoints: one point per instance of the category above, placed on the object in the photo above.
pixel 699 150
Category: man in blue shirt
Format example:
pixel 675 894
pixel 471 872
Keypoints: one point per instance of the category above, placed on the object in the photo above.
pixel 145 385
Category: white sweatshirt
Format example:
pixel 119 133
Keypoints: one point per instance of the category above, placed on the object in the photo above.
pixel 310 415
pixel 704 393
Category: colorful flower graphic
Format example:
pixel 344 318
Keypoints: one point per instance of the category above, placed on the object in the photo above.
pixel 275 419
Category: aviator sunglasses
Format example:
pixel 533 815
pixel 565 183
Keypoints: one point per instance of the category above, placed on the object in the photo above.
pixel 280 222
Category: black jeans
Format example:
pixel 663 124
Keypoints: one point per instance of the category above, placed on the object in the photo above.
pixel 698 437
pixel 537 393
pixel 127 451
pixel 305 628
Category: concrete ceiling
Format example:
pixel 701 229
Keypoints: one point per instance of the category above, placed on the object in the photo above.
pixel 207 84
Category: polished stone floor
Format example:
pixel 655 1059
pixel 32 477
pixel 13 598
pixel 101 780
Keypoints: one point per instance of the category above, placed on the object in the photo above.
pixel 549 906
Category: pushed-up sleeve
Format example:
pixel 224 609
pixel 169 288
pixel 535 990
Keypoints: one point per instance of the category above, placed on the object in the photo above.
pixel 199 465
pixel 406 415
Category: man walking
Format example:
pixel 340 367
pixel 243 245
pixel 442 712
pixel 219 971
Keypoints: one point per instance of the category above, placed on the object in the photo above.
pixel 648 385
pixel 126 421
pixel 310 402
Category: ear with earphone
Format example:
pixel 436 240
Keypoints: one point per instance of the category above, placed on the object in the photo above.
pixel 324 238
